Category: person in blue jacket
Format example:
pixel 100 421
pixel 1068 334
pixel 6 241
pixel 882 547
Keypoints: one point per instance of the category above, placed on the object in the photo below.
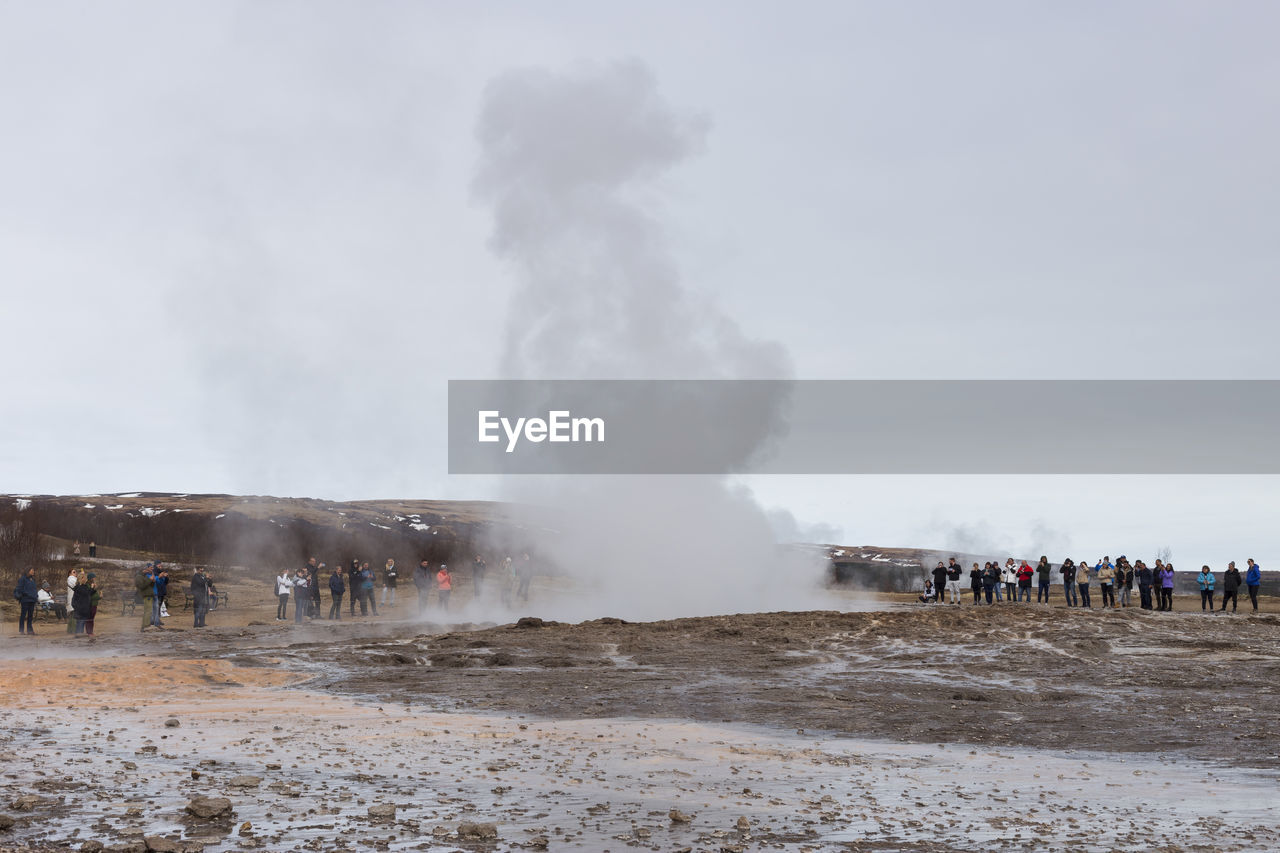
pixel 27 594
pixel 1253 582
pixel 1205 579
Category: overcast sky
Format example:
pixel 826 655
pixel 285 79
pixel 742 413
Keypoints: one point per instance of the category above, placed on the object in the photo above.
pixel 240 249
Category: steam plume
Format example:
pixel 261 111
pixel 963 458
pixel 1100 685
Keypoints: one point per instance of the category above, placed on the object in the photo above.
pixel 570 165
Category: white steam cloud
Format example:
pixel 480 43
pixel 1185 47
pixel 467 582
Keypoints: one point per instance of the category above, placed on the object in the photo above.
pixel 571 163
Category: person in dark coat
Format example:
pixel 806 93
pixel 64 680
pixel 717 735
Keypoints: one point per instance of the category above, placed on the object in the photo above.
pixel 200 595
pixel 423 581
pixel 336 590
pixel 1231 581
pixel 27 594
pixel 353 585
pixel 82 605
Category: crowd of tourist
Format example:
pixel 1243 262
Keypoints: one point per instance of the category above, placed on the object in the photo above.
pixel 992 583
pixel 357 582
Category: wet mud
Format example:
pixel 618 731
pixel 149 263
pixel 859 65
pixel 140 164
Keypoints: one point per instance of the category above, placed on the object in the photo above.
pixel 913 729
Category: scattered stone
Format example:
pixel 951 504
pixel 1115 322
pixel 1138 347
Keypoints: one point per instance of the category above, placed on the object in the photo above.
pixel 246 828
pixel 172 723
pixel 538 842
pixel 25 803
pixel 129 765
pixel 206 808
pixel 91 846
pixel 383 811
pixel 133 811
pixel 678 816
pixel 439 831
pixel 468 831
pixel 273 766
pixel 160 844
pixel 6 822
pixel 529 622
pixel 744 823
pixel 245 781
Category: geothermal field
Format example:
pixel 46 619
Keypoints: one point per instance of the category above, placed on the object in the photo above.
pixel 878 724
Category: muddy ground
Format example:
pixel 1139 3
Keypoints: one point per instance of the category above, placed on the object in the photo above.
pixel 910 728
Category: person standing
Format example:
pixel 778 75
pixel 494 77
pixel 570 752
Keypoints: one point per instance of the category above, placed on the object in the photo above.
pixel 145 583
pixel 389 579
pixel 1106 577
pixel 444 587
pixel 82 604
pixel 953 581
pixel 478 570
pixel 75 550
pixel 1082 583
pixel 1231 581
pixel 200 596
pixel 1145 579
pixel 337 589
pixel 990 580
pixel 283 585
pixel 301 595
pixel 1124 580
pixel 1205 579
pixel 422 582
pixel 27 594
pixel 93 550
pixel 95 596
pixel 975 583
pixel 1044 576
pixel 353 587
pixel 72 580
pixel 162 591
pixel 366 587
pixel 1253 582
pixel 1024 582
pixel 1010 580
pixel 1068 572
pixel 525 573
pixel 940 580
pixel 1166 586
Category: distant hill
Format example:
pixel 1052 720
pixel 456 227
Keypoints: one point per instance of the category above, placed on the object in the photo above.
pixel 254 530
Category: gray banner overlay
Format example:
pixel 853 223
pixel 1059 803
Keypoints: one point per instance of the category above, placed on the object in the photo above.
pixel 864 427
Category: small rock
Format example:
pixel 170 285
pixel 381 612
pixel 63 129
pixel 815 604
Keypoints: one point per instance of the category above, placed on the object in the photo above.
pixel 172 723
pixel 129 765
pixel 246 828
pixel 195 774
pixel 468 831
pixel 245 781
pixel 25 803
pixel 538 842
pixel 133 811
pixel 273 766
pixel 382 811
pixel 744 823
pixel 678 816
pixel 6 822
pixel 439 831
pixel 91 846
pixel 209 807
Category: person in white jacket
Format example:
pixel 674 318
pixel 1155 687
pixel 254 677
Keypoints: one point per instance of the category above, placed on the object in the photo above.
pixel 72 580
pixel 283 584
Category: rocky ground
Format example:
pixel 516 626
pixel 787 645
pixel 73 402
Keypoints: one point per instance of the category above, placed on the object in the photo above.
pixel 909 728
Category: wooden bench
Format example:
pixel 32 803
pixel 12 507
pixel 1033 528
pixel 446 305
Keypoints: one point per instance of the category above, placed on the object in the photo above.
pixel 47 609
pixel 218 599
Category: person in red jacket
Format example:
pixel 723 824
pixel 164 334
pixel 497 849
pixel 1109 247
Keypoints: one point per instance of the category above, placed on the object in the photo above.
pixel 444 586
pixel 1025 574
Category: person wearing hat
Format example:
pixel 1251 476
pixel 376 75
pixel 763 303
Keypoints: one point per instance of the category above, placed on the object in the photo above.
pixel 47 602
pixel 444 586
pixel 200 595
